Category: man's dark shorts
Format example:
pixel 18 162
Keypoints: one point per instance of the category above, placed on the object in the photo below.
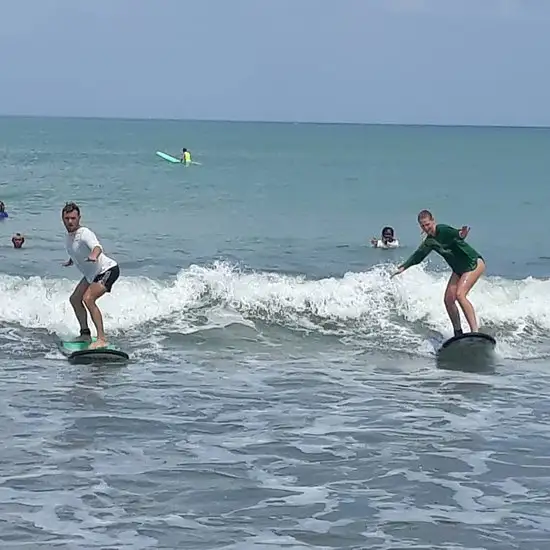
pixel 108 278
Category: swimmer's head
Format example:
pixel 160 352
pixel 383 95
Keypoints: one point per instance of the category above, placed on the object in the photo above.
pixel 2 207
pixel 387 234
pixel 18 240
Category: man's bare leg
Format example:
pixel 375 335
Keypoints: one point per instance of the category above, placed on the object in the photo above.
pixel 94 292
pixel 76 301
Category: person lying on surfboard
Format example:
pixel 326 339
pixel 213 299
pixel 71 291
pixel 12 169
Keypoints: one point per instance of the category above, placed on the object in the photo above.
pixel 466 262
pixel 99 270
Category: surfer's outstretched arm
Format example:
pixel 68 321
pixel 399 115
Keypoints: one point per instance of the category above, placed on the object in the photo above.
pixel 415 258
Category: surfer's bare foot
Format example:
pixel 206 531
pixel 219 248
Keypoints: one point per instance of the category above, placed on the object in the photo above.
pixel 83 338
pixel 98 344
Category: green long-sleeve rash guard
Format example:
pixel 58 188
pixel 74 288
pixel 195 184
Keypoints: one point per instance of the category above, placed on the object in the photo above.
pixel 448 243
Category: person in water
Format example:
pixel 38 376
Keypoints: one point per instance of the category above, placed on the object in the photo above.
pixel 466 262
pixel 388 239
pixel 185 156
pixel 3 213
pixel 18 240
pixel 99 270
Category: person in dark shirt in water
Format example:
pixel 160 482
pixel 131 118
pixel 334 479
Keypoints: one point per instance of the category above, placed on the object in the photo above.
pixel 18 240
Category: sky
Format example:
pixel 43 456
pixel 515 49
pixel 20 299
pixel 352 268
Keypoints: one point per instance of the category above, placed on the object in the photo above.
pixel 472 62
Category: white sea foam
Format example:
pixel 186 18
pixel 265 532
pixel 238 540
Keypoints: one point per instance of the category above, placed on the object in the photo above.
pixel 365 305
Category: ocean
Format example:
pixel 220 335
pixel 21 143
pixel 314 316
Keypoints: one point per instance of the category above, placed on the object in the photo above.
pixel 282 392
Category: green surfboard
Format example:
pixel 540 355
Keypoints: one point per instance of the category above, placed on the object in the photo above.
pixel 169 158
pixel 79 352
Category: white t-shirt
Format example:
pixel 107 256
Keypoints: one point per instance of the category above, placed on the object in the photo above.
pixel 79 245
pixel 391 244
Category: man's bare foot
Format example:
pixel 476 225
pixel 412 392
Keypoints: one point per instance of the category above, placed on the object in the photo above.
pixel 98 344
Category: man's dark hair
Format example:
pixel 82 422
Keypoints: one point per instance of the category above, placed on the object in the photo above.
pixel 70 207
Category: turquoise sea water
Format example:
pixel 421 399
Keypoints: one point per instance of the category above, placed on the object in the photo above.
pixel 283 391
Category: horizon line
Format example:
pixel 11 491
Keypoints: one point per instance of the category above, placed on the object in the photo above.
pixel 291 122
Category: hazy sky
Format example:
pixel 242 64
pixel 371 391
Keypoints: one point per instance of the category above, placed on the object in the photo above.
pixel 387 61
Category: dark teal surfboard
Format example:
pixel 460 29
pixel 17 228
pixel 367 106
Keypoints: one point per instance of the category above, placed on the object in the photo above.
pixel 470 341
pixel 79 352
pixel 471 351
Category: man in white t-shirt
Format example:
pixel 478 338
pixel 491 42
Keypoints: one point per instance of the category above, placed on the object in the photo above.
pixel 100 272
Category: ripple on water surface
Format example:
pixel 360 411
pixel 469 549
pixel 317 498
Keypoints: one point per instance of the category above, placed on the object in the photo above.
pixel 279 453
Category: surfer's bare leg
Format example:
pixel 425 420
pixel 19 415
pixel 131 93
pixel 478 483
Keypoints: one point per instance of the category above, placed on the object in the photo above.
pixel 80 311
pixel 465 284
pixel 450 303
pixel 94 292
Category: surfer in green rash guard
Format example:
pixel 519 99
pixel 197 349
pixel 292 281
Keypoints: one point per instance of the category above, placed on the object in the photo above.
pixel 466 262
